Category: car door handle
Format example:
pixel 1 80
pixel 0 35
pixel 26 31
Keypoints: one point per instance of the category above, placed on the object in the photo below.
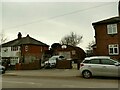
pixel 89 66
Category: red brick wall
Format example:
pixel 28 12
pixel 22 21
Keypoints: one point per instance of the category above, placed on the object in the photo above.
pixel 103 40
pixel 29 66
pixel 34 50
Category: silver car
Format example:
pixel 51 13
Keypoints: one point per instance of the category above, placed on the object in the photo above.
pixel 99 66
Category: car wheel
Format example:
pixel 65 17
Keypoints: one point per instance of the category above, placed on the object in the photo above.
pixel 87 74
pixel 3 71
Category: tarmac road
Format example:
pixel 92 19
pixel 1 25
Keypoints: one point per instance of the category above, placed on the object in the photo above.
pixel 54 78
pixel 43 82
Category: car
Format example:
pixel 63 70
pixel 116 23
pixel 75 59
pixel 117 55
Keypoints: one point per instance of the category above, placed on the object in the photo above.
pixel 2 69
pixel 99 66
pixel 51 63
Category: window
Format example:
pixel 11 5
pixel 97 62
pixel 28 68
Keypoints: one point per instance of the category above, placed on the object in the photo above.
pixel 95 61
pixel 86 61
pixel 113 49
pixel 14 48
pixel 14 60
pixel 26 48
pixel 112 29
pixel 107 62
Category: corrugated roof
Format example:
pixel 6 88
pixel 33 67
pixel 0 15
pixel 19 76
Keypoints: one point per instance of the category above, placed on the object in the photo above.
pixel 108 21
pixel 25 40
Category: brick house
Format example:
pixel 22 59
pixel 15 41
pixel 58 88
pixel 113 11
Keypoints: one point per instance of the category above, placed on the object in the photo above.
pixel 107 37
pixel 23 50
pixel 70 52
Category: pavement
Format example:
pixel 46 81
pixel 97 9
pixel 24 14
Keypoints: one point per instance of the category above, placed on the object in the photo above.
pixel 45 72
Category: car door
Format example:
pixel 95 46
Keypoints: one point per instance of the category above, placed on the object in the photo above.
pixel 109 68
pixel 95 67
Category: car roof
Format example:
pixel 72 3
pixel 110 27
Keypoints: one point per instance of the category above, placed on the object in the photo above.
pixel 97 57
pixel 58 56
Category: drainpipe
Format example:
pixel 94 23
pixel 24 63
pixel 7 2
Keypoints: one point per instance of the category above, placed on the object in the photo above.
pixel 119 17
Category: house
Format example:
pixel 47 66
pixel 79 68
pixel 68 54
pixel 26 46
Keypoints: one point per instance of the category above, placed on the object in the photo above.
pixel 107 37
pixel 23 50
pixel 70 52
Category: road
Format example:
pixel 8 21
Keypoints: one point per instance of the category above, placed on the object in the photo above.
pixel 57 82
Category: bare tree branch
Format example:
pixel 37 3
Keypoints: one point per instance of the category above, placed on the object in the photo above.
pixel 3 38
pixel 73 39
pixel 89 47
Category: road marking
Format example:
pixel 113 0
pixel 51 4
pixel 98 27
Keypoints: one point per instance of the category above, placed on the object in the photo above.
pixel 10 73
pixel 19 82
pixel 69 86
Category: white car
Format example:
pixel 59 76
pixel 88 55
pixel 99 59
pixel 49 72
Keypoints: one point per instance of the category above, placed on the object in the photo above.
pixel 52 61
pixel 99 66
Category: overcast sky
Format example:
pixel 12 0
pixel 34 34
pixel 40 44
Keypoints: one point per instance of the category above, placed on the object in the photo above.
pixel 50 21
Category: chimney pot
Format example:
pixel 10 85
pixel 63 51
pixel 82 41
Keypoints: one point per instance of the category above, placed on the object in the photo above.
pixel 27 35
pixel 19 35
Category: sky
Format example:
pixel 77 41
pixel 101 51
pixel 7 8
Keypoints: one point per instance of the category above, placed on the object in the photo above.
pixel 49 22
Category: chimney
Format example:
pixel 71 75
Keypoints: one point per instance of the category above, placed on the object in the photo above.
pixel 28 35
pixel 119 8
pixel 19 35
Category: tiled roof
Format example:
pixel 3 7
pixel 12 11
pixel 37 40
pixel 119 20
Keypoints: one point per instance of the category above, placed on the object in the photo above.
pixel 108 21
pixel 23 41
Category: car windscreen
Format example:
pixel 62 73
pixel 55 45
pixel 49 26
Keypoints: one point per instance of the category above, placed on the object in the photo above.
pixel 115 61
pixel 53 58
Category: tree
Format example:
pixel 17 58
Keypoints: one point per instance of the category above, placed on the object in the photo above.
pixel 3 38
pixel 55 45
pixel 89 51
pixel 72 39
pixel 90 44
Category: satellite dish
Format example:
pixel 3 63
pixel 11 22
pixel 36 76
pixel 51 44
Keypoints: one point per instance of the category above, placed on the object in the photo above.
pixel 64 46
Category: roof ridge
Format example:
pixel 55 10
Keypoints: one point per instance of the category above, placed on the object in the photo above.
pixel 24 40
pixel 109 20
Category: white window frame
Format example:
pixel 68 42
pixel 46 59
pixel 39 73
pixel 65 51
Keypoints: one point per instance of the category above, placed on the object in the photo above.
pixel 113 47
pixel 112 29
pixel 14 60
pixel 14 48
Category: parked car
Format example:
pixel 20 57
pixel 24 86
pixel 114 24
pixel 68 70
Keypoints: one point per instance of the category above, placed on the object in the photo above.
pixel 51 63
pixel 2 69
pixel 99 66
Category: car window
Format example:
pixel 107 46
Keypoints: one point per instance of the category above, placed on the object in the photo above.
pixel 53 58
pixel 107 61
pixel 95 61
pixel 86 61
pixel 61 57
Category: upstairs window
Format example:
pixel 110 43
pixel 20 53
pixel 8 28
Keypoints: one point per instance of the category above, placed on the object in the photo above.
pixel 112 29
pixel 114 49
pixel 14 48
